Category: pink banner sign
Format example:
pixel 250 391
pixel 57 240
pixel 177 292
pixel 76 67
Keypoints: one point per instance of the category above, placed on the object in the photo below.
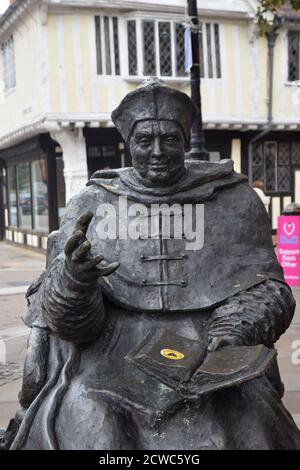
pixel 288 248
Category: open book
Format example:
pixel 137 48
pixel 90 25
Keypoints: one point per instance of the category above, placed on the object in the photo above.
pixel 179 362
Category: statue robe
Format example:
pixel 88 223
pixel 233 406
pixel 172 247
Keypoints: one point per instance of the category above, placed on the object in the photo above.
pixel 91 396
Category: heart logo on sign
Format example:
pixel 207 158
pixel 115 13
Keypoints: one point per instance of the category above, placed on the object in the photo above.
pixel 289 228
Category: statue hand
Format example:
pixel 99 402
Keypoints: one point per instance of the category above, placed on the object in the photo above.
pixel 226 340
pixel 79 261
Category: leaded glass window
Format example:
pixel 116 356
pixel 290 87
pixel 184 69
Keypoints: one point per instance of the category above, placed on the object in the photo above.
pixel 283 167
pixel 9 71
pixel 132 47
pixel 293 55
pixel 149 48
pixel 296 153
pixel 209 42
pixel 258 162
pixel 116 45
pixel 209 51
pixel 217 50
pixel 165 62
pixel 270 151
pixel 180 69
pixel 271 164
pixel 161 46
pixel 98 45
pixel 107 45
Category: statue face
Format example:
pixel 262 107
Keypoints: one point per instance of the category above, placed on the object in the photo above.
pixel 157 149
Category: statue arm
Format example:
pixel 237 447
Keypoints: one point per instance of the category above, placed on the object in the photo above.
pixel 259 315
pixel 71 309
pixel 70 296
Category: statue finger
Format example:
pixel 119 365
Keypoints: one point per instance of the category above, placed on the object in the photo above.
pixel 81 252
pixel 215 343
pixel 91 264
pixel 108 269
pixel 73 242
pixel 83 221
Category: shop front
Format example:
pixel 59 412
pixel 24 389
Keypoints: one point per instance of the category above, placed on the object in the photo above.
pixel 33 193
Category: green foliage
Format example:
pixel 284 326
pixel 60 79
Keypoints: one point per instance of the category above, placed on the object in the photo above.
pixel 267 13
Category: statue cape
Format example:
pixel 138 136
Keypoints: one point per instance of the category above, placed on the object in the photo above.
pixel 168 274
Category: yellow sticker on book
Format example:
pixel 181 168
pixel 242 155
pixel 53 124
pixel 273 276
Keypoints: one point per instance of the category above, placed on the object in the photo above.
pixel 172 354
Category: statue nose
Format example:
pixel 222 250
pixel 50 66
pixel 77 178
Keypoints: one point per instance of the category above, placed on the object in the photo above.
pixel 156 150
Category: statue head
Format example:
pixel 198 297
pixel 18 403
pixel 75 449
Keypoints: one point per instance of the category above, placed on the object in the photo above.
pixel 155 123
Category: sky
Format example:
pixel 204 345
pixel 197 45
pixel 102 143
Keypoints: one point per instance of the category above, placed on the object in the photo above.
pixel 3 5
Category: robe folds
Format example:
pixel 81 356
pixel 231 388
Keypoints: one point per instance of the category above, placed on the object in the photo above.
pixel 226 280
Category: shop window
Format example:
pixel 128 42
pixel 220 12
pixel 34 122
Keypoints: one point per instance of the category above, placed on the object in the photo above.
pixel 107 45
pixel 40 195
pixel 9 71
pixel 24 196
pixel 161 46
pixel 12 196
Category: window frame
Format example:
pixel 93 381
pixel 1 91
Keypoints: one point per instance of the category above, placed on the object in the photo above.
pixel 105 45
pixel 9 76
pixel 277 165
pixel 216 57
pixel 297 80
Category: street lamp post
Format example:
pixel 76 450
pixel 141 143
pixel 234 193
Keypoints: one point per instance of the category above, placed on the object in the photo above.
pixel 197 151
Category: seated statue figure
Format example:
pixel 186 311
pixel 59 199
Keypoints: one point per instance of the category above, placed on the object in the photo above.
pixel 153 325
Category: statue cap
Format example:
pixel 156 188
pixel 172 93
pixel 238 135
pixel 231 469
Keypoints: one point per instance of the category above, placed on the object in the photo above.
pixel 153 100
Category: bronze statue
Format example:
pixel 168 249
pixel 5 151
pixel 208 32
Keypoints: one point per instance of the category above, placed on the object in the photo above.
pixel 151 341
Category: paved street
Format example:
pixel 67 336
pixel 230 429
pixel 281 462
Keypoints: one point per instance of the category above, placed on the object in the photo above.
pixel 18 267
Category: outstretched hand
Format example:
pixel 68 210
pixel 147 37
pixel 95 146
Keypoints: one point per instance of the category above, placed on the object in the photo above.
pixel 79 261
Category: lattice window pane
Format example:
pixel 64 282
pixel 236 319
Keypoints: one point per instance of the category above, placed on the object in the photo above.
pixel 132 51
pixel 270 165
pixel 293 52
pixel 296 153
pixel 107 46
pixel 149 48
pixel 283 154
pixel 258 162
pixel 165 62
pixel 9 72
pixel 284 178
pixel 98 45
pixel 179 31
pixel 209 50
pixel 116 45
pixel 217 51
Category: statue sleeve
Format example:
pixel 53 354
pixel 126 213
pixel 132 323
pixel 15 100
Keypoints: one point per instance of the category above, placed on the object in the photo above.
pixel 72 310
pixel 259 315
